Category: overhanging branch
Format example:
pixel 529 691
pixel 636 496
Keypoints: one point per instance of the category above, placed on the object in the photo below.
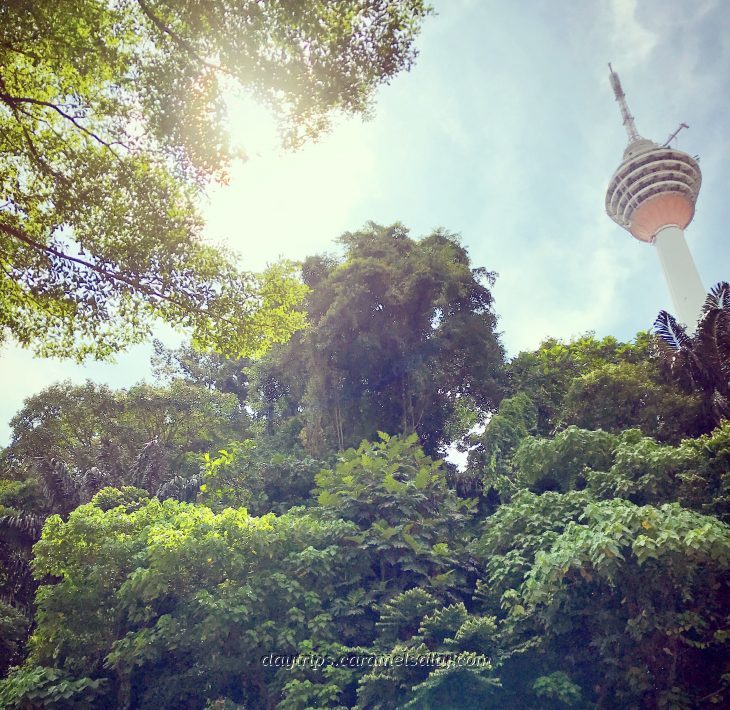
pixel 175 37
pixel 133 283
pixel 13 102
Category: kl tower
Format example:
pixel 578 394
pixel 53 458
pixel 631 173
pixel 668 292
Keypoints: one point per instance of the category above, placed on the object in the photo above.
pixel 653 195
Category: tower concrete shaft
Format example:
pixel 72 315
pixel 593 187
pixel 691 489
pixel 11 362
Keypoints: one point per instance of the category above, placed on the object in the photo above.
pixel 683 280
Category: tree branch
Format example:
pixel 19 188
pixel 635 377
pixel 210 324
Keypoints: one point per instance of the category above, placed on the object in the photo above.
pixel 133 283
pixel 111 276
pixel 25 52
pixel 180 41
pixel 13 102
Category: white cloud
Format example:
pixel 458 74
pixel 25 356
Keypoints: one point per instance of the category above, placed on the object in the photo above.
pixel 633 42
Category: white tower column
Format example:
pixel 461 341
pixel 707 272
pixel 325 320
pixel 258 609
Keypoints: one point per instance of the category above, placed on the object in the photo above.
pixel 685 287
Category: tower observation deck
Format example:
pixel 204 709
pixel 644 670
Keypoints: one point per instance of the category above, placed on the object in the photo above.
pixel 652 195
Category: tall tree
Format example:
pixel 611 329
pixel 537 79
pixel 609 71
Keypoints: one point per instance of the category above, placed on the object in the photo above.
pixel 112 118
pixel 402 333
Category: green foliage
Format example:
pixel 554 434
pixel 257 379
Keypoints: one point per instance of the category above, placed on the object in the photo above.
pixel 254 475
pixel 594 573
pixel 444 623
pixel 112 116
pixel 605 384
pixel 70 442
pixel 18 531
pixel 643 470
pixel 224 486
pixel 402 339
pixel 163 596
pixel 561 463
pixel 650 585
pixel 463 688
pixel 410 520
pixel 706 487
pixel 204 369
pixel 545 375
pixel 490 459
pixel 629 601
pixel 563 389
pixel 557 690
pixel 516 533
pixel 39 687
pixel 128 497
pixel 74 440
pixel 630 466
pixel 13 628
pixel 16 495
pixel 401 615
pixel 618 534
pixel 446 654
pixel 618 396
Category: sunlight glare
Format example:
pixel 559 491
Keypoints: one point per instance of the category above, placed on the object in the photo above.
pixel 252 126
pixel 282 202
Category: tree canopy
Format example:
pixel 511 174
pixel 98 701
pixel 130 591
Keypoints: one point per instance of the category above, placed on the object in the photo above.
pixel 581 560
pixel 606 384
pixel 402 339
pixel 112 117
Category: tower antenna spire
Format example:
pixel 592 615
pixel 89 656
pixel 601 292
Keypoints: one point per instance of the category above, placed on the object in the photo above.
pixel 629 124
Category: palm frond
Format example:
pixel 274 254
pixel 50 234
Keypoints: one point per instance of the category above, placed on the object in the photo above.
pixel 711 350
pixel 702 361
pixel 21 528
pixel 19 587
pixel 60 486
pixel 670 331
pixel 181 488
pixel 93 481
pixel 718 297
pixel 723 343
pixel 151 467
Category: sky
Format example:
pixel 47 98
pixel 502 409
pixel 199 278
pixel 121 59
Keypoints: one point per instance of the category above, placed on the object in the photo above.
pixel 505 132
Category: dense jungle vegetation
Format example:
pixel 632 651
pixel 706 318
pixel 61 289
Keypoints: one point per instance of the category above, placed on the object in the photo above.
pixel 272 522
pixel 159 542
